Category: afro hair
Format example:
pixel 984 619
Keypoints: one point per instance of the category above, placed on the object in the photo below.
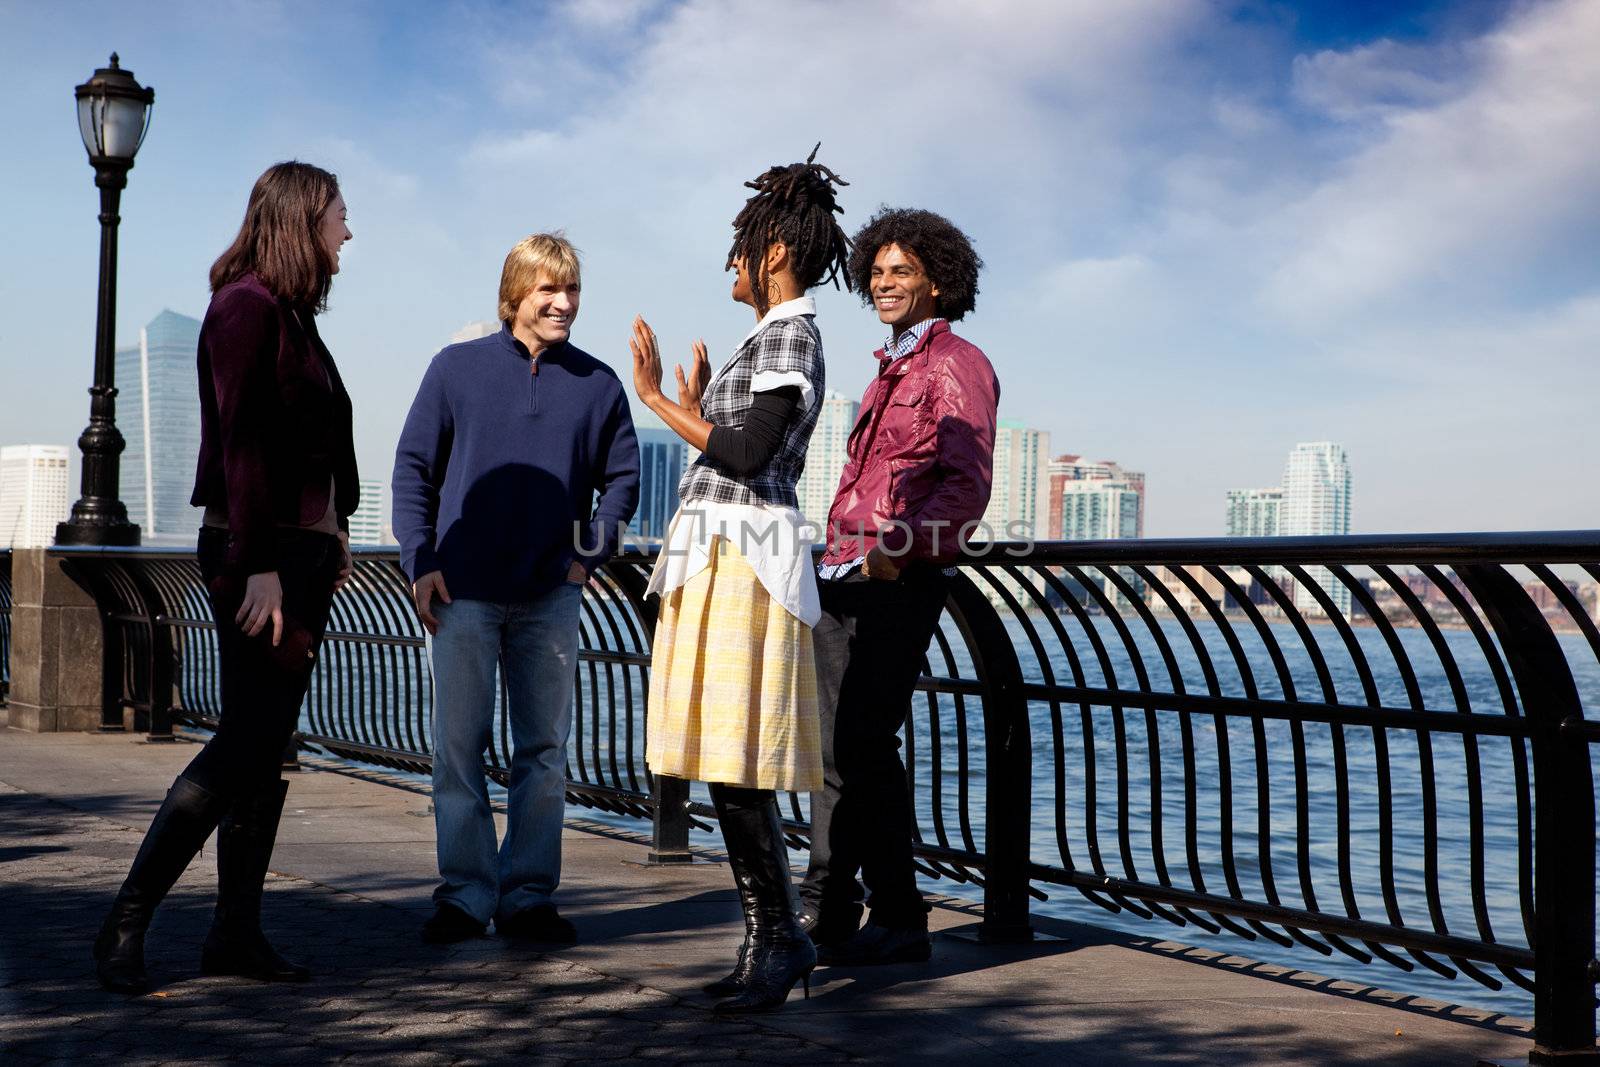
pixel 946 254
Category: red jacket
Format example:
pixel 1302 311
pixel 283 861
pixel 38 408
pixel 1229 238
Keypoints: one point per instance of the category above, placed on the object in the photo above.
pixel 921 456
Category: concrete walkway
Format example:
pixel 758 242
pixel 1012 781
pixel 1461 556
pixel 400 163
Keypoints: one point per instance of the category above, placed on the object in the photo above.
pixel 353 870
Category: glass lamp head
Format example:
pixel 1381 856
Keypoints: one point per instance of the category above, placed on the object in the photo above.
pixel 113 114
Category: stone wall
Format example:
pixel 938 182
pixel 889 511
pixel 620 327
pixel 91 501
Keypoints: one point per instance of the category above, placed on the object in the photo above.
pixel 55 648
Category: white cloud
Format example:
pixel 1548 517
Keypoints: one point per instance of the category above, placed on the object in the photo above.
pixel 1463 193
pixel 1375 80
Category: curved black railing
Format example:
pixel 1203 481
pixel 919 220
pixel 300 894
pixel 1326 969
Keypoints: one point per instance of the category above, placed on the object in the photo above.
pixel 5 625
pixel 1279 738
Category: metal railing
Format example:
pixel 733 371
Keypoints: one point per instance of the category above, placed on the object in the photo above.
pixel 5 625
pixel 1375 747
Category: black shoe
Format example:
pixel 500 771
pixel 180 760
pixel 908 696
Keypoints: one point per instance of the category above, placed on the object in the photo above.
pixel 829 924
pixel 874 945
pixel 539 923
pixel 449 924
pixel 186 819
pixel 236 945
pixel 779 953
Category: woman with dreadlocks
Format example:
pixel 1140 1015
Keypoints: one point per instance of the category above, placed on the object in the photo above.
pixel 733 690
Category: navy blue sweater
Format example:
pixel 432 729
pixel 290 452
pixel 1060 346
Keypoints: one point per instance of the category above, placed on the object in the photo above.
pixel 497 468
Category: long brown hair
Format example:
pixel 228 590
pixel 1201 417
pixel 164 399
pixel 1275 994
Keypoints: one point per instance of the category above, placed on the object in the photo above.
pixel 278 240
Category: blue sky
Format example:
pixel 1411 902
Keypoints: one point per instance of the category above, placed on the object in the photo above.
pixel 1211 229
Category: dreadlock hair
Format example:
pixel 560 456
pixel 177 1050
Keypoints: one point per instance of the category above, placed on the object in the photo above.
pixel 793 204
pixel 946 254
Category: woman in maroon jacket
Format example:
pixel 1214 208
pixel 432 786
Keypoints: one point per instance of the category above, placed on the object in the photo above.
pixel 277 478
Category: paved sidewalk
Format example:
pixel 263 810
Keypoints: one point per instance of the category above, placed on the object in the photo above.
pixel 354 867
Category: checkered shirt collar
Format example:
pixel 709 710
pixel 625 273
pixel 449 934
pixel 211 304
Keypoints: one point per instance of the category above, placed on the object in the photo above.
pixel 909 340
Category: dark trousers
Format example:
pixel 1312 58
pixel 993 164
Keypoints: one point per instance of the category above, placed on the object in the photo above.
pixel 870 646
pixel 263 686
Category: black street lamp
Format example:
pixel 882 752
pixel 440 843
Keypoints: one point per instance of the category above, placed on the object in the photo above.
pixel 113 115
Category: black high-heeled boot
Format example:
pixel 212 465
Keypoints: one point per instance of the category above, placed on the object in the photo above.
pixel 735 981
pixel 780 953
pixel 236 945
pixel 186 819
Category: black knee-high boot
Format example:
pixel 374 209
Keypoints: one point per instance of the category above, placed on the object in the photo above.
pixel 185 820
pixel 236 944
pixel 779 953
pixel 734 983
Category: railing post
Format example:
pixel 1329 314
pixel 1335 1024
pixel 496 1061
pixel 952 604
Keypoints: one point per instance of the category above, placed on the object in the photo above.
pixel 669 796
pixel 1008 771
pixel 112 649
pixel 5 624
pixel 669 821
pixel 159 668
pixel 1564 831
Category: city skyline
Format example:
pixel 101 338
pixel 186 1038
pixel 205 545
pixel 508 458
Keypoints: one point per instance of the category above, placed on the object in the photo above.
pixel 1369 223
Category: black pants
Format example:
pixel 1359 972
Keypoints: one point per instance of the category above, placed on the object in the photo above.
pixel 263 686
pixel 870 646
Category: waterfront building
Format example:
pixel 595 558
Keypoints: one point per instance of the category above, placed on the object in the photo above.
pixel 1254 512
pixel 1020 484
pixel 825 457
pixel 1316 503
pixel 33 494
pixel 1093 500
pixel 158 412
pixel 1097 511
pixel 367 525
pixel 662 458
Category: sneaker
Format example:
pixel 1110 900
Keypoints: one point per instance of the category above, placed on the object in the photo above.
pixel 449 924
pixel 539 923
pixel 874 945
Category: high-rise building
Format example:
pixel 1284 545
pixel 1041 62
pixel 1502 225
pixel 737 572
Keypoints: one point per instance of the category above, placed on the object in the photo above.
pixel 825 456
pixel 1099 510
pixel 662 457
pixel 1088 500
pixel 474 330
pixel 33 494
pixel 1316 502
pixel 158 411
pixel 1316 490
pixel 1020 484
pixel 1254 512
pixel 367 525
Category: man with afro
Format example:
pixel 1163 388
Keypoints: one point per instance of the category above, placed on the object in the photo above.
pixel 914 487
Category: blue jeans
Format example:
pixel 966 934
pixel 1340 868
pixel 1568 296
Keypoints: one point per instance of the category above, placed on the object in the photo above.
pixel 536 642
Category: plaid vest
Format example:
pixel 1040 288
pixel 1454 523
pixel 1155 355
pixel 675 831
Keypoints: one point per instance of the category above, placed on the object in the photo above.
pixel 788 345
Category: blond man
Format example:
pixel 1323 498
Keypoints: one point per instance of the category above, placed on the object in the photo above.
pixel 515 473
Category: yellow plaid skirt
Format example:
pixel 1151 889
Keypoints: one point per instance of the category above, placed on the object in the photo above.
pixel 733 684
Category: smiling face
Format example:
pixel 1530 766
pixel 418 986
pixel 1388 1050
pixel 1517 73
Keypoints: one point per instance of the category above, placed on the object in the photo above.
pixel 332 230
pixel 901 289
pixel 547 312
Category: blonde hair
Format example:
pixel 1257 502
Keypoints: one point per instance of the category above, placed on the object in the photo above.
pixel 535 255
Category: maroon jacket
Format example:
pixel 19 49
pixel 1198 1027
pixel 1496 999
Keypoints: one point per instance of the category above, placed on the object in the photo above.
pixel 275 422
pixel 921 453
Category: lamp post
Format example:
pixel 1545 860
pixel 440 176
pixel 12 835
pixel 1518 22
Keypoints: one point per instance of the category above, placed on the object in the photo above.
pixel 113 115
